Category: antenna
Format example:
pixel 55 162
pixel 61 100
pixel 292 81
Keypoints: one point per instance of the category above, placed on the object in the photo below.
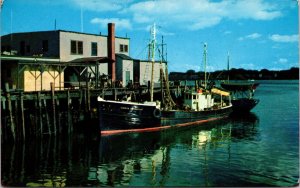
pixel 153 40
pixel 1 3
pixel 204 58
pixel 228 65
pixel 81 19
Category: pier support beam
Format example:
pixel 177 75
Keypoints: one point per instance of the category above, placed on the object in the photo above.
pixel 53 106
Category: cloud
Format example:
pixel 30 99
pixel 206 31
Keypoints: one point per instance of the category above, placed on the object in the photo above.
pixel 284 38
pixel 251 36
pixel 249 66
pixel 227 32
pixel 199 14
pixel 186 14
pixel 119 23
pixel 281 61
pixel 99 5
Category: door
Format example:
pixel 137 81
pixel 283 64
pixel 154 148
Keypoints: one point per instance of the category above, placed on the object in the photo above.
pixel 127 77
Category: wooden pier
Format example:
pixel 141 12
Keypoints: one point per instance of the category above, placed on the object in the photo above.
pixel 49 113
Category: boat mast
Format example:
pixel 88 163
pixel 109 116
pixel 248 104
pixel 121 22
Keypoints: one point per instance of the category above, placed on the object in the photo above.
pixel 204 57
pixel 152 43
pixel 228 66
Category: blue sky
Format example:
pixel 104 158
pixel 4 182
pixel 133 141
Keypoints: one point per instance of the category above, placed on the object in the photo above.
pixel 257 34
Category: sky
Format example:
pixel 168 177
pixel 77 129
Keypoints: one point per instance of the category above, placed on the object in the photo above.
pixel 257 34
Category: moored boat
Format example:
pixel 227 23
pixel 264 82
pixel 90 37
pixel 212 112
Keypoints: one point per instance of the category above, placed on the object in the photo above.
pixel 117 117
pixel 199 106
pixel 122 115
pixel 242 95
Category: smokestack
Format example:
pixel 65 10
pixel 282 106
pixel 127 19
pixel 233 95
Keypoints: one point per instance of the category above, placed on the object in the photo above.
pixel 111 51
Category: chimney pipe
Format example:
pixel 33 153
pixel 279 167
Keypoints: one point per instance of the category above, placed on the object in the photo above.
pixel 111 51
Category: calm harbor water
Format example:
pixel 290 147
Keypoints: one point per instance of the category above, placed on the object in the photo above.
pixel 258 149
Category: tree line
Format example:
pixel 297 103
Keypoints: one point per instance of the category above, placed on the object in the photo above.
pixel 238 74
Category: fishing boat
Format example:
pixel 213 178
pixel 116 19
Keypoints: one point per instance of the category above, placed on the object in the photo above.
pixel 242 92
pixel 129 115
pixel 199 106
pixel 242 95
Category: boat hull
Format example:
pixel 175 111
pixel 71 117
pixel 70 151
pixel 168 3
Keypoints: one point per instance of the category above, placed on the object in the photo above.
pixel 117 118
pixel 120 116
pixel 175 117
pixel 244 105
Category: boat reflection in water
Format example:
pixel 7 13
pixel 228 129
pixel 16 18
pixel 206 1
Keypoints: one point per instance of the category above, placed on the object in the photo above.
pixel 134 159
pixel 124 158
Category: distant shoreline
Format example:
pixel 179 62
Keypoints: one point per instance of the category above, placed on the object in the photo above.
pixel 238 74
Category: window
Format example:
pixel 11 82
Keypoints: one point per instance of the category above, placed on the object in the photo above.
pixel 45 46
pixel 27 49
pixel 123 48
pixel 22 47
pixel 94 49
pixel 8 73
pixel 73 47
pixel 76 47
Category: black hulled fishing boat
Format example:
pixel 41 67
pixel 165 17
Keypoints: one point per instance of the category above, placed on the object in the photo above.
pixel 242 95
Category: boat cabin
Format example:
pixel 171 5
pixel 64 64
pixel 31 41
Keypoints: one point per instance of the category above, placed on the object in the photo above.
pixel 203 100
pixel 198 101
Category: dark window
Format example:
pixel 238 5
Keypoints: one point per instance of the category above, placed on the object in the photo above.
pixel 8 73
pixel 80 47
pixel 45 47
pixel 94 49
pixel 22 47
pixel 27 49
pixel 121 48
pixel 76 47
pixel 73 47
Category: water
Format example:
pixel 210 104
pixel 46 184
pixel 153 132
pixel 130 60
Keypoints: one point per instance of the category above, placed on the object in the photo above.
pixel 259 149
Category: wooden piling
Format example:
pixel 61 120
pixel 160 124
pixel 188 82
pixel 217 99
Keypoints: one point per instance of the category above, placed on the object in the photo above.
pixel 40 112
pixel 59 117
pixel 22 114
pixel 12 125
pixel 47 116
pixel 69 111
pixel 53 106
pixel 115 93
pixel 88 98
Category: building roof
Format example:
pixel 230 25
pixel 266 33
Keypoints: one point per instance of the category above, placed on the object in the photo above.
pixel 30 32
pixel 92 59
pixel 28 59
pixel 123 56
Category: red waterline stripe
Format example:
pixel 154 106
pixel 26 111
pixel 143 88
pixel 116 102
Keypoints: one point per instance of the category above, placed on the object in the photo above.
pixel 152 129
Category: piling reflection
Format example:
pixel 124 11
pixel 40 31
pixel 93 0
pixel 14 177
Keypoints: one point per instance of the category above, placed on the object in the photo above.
pixel 129 159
